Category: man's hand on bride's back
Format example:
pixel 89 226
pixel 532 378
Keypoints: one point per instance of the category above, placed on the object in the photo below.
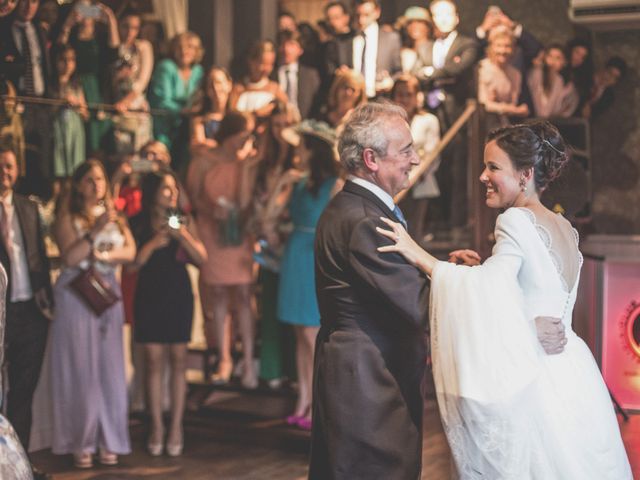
pixel 465 257
pixel 551 334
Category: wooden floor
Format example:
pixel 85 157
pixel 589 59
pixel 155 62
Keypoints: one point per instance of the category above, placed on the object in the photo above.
pixel 242 437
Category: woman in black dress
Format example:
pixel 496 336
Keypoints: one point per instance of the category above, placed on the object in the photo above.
pixel 163 305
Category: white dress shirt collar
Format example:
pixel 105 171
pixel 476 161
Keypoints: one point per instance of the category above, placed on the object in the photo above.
pixel 375 189
pixel 20 282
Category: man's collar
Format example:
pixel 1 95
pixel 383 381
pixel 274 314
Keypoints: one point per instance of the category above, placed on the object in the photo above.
pixel 7 199
pixel 375 189
pixel 371 29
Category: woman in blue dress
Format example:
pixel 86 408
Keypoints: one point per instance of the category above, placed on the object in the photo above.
pixel 305 192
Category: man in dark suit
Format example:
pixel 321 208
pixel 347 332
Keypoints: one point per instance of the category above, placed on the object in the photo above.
pixel 446 74
pixel 370 356
pixel 24 59
pixel 29 295
pixel 372 51
pixel 300 82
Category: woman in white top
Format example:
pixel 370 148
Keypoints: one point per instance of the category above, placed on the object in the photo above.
pixel 256 93
pixel 87 360
pixel 131 78
pixel 425 130
pixel 509 410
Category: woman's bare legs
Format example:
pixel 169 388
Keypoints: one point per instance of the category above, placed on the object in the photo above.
pixel 305 347
pixel 154 356
pixel 178 363
pixel 223 333
pixel 245 323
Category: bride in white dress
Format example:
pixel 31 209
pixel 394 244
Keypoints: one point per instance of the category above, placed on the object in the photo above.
pixel 509 410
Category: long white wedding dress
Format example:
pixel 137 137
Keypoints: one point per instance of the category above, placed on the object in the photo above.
pixel 509 410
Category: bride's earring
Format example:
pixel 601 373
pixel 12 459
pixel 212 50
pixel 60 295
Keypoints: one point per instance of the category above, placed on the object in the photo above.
pixel 523 185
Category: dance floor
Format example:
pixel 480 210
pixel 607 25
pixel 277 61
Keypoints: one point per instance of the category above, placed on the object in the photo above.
pixel 241 436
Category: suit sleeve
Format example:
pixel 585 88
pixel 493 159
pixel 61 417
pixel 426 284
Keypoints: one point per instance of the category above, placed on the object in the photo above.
pixel 387 276
pixel 464 60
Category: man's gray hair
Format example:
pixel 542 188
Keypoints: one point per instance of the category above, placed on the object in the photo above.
pixel 365 128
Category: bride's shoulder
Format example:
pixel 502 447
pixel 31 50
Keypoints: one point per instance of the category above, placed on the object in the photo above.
pixel 514 217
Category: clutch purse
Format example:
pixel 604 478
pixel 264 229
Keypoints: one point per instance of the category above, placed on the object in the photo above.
pixel 96 293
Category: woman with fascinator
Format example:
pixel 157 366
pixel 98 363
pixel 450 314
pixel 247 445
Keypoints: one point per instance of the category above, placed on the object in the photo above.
pixel 510 409
pixel 304 193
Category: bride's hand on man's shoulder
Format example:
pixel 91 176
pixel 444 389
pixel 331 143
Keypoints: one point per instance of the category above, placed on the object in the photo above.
pixel 465 257
pixel 403 243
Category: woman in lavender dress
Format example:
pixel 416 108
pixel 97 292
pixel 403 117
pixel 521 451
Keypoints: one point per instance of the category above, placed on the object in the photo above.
pixel 87 359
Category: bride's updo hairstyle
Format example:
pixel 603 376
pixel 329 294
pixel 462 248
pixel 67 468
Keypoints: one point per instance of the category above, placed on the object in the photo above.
pixel 538 145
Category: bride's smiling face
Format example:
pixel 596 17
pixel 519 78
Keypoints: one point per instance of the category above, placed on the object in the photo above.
pixel 500 177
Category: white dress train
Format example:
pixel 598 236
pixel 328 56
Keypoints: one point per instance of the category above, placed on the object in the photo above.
pixel 509 410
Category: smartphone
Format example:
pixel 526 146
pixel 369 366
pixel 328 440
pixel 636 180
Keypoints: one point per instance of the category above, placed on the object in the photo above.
pixel 88 9
pixel 141 165
pixel 494 10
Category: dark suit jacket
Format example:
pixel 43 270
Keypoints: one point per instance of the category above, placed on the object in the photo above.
pixel 308 90
pixel 12 63
pixel 340 52
pixel 370 356
pixel 455 78
pixel 37 261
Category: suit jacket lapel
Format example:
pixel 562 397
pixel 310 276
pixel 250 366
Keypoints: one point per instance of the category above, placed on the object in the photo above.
pixel 453 49
pixel 369 195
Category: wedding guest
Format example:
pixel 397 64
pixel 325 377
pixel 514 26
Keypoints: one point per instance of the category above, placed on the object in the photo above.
pixel 425 130
pixel 11 127
pixel 255 92
pixel 87 359
pixel 304 192
pixel 277 159
pixel 579 69
pixel 131 76
pixel 299 82
pixel 498 81
pixel 173 87
pixel 338 18
pixel 346 93
pixel 25 60
pixel 287 22
pixel 604 82
pixel 94 54
pixel 167 238
pixel 228 272
pixel 28 296
pixel 69 149
pixel 552 96
pixel 217 87
pixel 373 51
pixel 416 29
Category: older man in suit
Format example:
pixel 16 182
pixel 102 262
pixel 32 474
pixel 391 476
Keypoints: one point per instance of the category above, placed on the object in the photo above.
pixel 370 356
pixel 29 295
pixel 372 51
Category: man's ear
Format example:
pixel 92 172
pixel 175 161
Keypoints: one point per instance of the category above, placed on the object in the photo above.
pixel 369 158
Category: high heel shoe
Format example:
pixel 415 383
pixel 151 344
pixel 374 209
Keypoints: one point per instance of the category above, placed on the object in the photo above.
pixel 223 375
pixel 107 458
pixel 155 449
pixel 83 460
pixel 175 449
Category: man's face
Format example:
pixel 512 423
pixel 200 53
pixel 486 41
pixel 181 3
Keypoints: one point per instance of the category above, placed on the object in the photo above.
pixel 8 172
pixel 27 9
pixel 445 16
pixel 366 14
pixel 338 19
pixel 611 76
pixel 290 51
pixel 394 168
